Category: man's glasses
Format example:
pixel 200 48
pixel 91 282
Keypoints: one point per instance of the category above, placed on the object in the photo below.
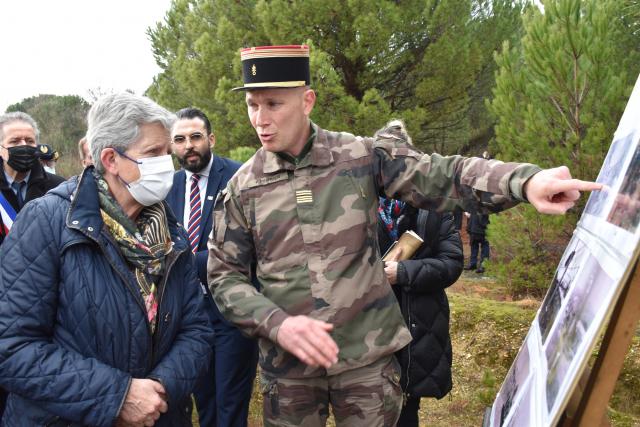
pixel 194 138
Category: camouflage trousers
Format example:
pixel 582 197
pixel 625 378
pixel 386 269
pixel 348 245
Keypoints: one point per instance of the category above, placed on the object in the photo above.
pixel 369 396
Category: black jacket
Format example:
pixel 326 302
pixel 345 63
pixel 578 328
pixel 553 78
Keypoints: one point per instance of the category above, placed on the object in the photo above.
pixel 40 181
pixel 477 224
pixel 426 362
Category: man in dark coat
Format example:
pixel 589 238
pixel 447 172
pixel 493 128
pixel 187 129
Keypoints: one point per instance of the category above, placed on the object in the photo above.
pixel 222 395
pixel 419 285
pixel 22 177
pixel 477 229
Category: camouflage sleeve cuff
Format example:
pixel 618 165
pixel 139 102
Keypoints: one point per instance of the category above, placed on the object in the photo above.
pixel 269 328
pixel 518 179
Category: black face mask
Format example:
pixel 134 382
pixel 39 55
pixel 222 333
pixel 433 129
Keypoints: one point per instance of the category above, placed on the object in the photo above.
pixel 22 157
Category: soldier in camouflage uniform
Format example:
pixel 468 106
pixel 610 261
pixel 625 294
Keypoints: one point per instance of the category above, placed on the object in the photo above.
pixel 304 209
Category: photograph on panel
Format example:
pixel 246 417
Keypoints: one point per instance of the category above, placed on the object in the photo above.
pixel 515 379
pixel 625 212
pixel 566 272
pixel 589 295
pixel 521 414
pixel 611 174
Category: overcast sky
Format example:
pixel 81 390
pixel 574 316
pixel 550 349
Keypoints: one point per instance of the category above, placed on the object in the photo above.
pixel 67 47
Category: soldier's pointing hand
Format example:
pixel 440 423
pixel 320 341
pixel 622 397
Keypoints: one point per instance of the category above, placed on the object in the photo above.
pixel 553 191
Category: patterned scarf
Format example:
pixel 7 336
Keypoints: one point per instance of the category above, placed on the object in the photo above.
pixel 144 243
pixel 388 211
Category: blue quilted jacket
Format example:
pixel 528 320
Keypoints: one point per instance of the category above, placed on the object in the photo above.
pixel 73 328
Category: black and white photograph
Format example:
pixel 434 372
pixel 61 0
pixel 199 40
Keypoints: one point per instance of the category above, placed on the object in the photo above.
pixel 521 414
pixel 514 381
pixel 625 212
pixel 610 174
pixel 588 299
pixel 566 272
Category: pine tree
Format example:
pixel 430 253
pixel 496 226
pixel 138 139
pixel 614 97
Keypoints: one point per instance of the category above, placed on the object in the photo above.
pixel 429 63
pixel 557 100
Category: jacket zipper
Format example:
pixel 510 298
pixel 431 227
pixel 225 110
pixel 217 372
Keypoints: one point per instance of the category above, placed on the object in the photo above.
pixel 136 295
pixel 405 297
pixel 159 321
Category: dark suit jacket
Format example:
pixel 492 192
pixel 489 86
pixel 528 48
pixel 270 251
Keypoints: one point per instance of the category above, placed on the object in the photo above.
pixel 40 181
pixel 221 170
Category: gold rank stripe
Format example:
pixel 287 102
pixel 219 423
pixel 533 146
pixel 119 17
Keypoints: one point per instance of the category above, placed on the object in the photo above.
pixel 274 51
pixel 304 196
pixel 277 84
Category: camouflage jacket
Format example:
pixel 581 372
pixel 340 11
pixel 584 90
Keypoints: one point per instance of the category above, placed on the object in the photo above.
pixel 311 227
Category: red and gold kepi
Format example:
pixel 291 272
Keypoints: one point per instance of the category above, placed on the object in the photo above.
pixel 275 67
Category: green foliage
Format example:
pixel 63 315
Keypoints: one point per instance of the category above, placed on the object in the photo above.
pixel 62 122
pixel 241 154
pixel 428 62
pixel 488 388
pixel 557 100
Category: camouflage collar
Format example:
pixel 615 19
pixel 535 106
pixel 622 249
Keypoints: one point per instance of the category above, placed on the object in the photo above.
pixel 318 155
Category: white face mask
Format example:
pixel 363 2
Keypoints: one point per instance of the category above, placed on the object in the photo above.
pixel 50 170
pixel 155 182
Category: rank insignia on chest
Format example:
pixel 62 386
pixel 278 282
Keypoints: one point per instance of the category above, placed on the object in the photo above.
pixel 304 196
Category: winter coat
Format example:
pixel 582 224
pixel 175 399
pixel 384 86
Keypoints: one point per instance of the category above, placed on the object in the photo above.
pixel 40 181
pixel 477 224
pixel 73 330
pixel 421 281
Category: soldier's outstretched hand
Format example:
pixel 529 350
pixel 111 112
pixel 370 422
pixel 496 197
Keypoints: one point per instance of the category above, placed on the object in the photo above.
pixel 553 191
pixel 309 340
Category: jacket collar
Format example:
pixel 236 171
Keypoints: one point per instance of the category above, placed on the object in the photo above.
pixel 37 174
pixel 84 212
pixel 319 155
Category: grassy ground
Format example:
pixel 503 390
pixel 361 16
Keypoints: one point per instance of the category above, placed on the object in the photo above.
pixel 486 331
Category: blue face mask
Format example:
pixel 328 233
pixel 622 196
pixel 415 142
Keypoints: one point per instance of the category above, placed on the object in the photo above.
pixel 156 179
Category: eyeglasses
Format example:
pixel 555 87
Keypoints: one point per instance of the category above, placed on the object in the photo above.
pixel 194 138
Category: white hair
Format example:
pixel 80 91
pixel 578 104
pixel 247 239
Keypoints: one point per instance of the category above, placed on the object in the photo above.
pixel 114 122
pixel 18 116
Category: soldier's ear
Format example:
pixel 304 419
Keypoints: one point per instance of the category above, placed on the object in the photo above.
pixel 309 101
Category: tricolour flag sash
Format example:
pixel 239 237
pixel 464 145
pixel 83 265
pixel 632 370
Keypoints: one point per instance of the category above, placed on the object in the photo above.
pixel 8 214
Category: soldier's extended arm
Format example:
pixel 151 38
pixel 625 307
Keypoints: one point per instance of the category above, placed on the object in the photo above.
pixel 231 254
pixel 475 184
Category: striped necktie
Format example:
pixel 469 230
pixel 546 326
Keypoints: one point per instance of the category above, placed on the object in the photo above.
pixel 195 213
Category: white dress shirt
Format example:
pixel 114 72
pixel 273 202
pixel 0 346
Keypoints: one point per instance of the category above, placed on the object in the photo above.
pixel 202 185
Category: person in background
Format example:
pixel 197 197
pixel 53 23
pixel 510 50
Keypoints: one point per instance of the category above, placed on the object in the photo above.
pixel 419 285
pixel 102 321
pixel 222 395
pixel 84 152
pixel 477 229
pixel 22 177
pixel 48 157
pixel 458 213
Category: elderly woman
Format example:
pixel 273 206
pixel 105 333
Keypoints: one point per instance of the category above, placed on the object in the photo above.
pixel 101 320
